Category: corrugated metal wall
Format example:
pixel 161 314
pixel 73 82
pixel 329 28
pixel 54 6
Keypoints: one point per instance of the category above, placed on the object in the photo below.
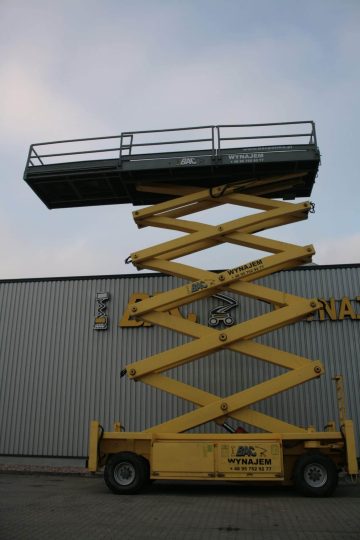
pixel 57 373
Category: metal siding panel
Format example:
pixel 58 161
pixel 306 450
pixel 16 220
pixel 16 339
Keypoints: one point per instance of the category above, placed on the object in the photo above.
pixel 57 373
pixel 335 343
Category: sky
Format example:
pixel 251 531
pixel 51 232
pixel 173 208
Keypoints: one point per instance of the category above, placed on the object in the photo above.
pixel 86 68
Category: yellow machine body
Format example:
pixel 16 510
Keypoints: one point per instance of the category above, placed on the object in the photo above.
pixel 273 454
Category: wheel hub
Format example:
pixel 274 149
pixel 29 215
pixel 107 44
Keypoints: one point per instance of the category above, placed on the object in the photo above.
pixel 124 473
pixel 315 475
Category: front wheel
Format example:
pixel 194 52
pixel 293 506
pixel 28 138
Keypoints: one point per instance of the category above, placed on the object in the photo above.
pixel 315 475
pixel 126 473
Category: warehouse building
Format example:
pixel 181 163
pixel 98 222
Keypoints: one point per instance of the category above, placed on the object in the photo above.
pixel 64 342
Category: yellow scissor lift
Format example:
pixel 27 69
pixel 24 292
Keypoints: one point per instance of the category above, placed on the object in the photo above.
pixel 278 451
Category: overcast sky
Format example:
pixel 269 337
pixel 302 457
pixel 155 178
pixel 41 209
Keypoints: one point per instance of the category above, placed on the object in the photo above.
pixel 86 68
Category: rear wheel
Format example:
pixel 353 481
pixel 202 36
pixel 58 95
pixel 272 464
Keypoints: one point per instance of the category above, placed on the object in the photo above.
pixel 126 473
pixel 315 475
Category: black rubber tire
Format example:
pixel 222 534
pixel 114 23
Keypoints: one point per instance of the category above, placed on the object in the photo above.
pixel 126 473
pixel 315 475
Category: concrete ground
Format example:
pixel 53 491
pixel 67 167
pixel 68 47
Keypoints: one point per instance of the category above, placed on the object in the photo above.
pixel 55 507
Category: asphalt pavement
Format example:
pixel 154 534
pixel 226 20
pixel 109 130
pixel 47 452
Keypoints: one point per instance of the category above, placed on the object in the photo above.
pixel 55 507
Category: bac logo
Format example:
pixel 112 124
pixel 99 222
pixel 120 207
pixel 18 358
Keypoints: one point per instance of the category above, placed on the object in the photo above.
pixel 188 161
pixel 246 451
pixel 198 285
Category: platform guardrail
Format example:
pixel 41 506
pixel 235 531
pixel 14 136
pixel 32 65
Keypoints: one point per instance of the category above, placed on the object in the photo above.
pixel 211 140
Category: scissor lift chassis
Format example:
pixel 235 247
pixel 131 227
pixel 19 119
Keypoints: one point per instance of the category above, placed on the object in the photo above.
pixel 284 452
pixel 190 182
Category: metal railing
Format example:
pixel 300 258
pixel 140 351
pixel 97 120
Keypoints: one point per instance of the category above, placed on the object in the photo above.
pixel 212 140
pixel 145 144
pixel 43 159
pixel 309 136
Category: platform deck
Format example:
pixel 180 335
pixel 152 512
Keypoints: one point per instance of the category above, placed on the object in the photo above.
pixel 111 175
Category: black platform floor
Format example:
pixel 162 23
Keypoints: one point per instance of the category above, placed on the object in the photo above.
pixel 111 181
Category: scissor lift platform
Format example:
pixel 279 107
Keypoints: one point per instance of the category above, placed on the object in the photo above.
pixel 108 170
pixel 208 167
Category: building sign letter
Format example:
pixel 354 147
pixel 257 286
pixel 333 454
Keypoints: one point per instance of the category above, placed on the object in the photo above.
pixel 101 319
